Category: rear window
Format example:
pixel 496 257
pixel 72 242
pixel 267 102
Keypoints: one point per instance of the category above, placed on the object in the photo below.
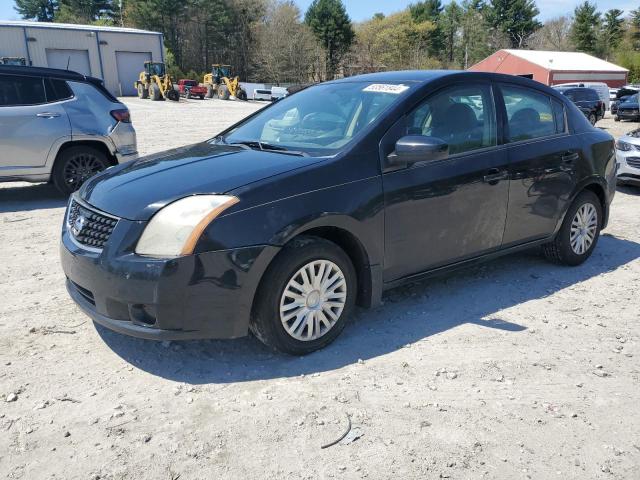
pixel 21 90
pixel 591 94
pixel 57 90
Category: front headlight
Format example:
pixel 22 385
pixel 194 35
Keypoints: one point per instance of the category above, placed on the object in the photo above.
pixel 623 146
pixel 176 228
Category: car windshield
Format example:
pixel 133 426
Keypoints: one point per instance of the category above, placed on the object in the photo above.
pixel 630 99
pixel 320 120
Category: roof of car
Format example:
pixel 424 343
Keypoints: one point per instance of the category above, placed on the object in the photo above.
pixel 41 71
pixel 400 76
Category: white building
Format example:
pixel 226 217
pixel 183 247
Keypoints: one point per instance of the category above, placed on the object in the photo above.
pixel 116 55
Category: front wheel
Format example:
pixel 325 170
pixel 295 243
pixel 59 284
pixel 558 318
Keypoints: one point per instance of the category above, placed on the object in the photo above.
pixel 76 165
pixel 305 298
pixel 154 90
pixel 142 92
pixel 223 92
pixel 579 233
pixel 592 119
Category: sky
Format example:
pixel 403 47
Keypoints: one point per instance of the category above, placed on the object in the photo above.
pixel 360 10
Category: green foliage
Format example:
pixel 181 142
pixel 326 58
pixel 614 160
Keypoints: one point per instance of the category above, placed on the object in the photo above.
pixel 332 28
pixel 612 31
pixel 430 11
pixel 586 23
pixel 514 18
pixel 84 11
pixel 40 10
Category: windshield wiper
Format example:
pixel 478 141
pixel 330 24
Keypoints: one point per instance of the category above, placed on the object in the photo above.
pixel 254 144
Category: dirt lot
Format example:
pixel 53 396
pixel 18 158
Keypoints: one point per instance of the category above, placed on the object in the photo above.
pixel 516 369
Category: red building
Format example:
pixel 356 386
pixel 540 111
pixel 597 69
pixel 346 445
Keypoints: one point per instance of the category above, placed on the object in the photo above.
pixel 553 68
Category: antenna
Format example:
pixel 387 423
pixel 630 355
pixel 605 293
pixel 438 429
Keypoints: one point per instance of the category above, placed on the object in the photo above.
pixel 68 61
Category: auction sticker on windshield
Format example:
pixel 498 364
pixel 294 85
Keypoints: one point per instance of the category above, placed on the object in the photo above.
pixel 385 88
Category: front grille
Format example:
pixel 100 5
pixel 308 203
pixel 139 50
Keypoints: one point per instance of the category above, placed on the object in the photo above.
pixel 633 162
pixel 89 227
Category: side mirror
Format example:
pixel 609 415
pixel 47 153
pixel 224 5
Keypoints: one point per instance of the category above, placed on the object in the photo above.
pixel 418 148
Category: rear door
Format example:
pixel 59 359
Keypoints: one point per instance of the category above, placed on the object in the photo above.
pixel 29 125
pixel 542 157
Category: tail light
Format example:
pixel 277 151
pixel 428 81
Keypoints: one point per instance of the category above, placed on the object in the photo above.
pixel 121 115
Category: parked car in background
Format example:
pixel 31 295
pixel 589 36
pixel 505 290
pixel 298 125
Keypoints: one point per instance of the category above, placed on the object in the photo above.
pixel 287 219
pixel 601 88
pixel 262 94
pixel 612 96
pixel 278 93
pixel 629 109
pixel 628 158
pixel 587 100
pixel 60 126
pixel 191 88
pixel 618 101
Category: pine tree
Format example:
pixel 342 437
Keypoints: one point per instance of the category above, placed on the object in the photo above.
pixel 430 11
pixel 40 10
pixel 514 18
pixel 450 20
pixel 612 30
pixel 584 32
pixel 332 28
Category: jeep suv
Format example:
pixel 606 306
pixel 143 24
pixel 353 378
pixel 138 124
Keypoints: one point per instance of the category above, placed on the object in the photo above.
pixel 60 126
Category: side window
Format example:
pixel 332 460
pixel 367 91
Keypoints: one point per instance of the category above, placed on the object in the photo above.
pixel 558 115
pixel 529 113
pixel 580 96
pixel 19 90
pixel 592 95
pixel 570 94
pixel 57 90
pixel 462 116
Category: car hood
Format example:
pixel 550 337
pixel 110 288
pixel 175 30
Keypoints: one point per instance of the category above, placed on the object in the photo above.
pixel 138 189
pixel 628 106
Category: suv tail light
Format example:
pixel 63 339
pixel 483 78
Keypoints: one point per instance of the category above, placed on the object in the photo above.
pixel 121 115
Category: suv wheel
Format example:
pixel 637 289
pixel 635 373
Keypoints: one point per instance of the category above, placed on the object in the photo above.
pixel 579 233
pixel 592 118
pixel 75 165
pixel 307 296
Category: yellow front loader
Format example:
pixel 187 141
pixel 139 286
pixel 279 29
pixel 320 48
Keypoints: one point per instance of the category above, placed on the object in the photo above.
pixel 219 83
pixel 155 83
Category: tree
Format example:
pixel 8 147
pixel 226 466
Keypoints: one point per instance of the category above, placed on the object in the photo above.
pixel 84 11
pixel 477 38
pixel 514 18
pixel 612 31
pixel 554 35
pixel 584 32
pixel 430 11
pixel 284 45
pixel 449 22
pixel 634 29
pixel 332 28
pixel 39 10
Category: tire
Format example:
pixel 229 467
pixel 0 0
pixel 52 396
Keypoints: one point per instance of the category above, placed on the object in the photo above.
pixel 616 119
pixel 223 92
pixel 188 96
pixel 561 250
pixel 142 92
pixel 327 320
pixel 210 91
pixel 173 95
pixel 242 95
pixel 201 97
pixel 75 165
pixel 154 92
pixel 592 118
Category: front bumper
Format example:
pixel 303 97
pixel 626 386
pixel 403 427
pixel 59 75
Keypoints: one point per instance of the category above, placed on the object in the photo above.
pixel 207 295
pixel 628 164
pixel 627 114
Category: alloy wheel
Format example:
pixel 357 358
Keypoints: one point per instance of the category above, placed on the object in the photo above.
pixel 80 168
pixel 583 228
pixel 313 300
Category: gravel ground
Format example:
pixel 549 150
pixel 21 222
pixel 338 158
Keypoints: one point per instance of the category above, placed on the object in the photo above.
pixel 516 369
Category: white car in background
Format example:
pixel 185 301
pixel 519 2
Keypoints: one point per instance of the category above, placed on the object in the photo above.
pixel 628 158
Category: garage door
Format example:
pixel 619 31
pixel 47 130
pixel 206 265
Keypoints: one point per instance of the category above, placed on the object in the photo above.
pixel 129 65
pixel 76 60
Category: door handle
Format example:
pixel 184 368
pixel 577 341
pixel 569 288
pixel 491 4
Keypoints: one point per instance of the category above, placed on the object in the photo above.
pixel 47 115
pixel 494 175
pixel 569 157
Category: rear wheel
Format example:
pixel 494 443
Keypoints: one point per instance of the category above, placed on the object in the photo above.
pixel 173 95
pixel 210 91
pixel 305 298
pixel 154 92
pixel 75 165
pixel 579 233
pixel 616 119
pixel 242 95
pixel 592 118
pixel 142 92
pixel 223 92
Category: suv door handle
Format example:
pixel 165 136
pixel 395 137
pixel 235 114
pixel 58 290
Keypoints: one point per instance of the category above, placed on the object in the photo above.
pixel 47 115
pixel 494 175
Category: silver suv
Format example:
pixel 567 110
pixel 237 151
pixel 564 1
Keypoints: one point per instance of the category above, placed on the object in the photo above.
pixel 60 126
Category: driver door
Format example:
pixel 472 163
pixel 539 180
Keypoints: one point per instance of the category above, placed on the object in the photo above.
pixel 441 212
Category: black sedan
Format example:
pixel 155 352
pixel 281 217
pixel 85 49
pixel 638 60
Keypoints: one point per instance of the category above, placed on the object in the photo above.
pixel 284 222
pixel 629 109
